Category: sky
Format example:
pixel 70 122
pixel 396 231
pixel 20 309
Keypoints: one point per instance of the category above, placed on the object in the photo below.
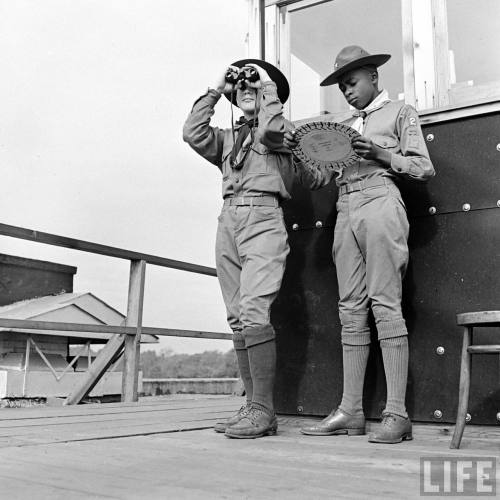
pixel 93 97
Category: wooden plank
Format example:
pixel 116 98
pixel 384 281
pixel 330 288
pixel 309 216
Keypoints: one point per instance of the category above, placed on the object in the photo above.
pixel 486 318
pixel 108 425
pixel 87 246
pixel 301 4
pixel 284 56
pixel 24 324
pixel 262 28
pixel 484 349
pixel 441 52
pixel 112 422
pixel 82 411
pixel 111 428
pixel 103 361
pixel 195 465
pixel 408 52
pixel 174 401
pixel 162 454
pixel 130 377
pixel 464 388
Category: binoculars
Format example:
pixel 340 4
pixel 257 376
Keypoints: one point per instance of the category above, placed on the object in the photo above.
pixel 244 75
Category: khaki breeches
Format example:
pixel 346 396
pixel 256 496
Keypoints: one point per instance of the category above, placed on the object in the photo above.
pixel 251 250
pixel 370 252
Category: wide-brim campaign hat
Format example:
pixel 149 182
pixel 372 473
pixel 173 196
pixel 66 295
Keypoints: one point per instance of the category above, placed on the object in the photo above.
pixel 350 58
pixel 274 73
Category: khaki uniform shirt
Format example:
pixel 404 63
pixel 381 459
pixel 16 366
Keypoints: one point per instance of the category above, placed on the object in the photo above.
pixel 395 127
pixel 268 168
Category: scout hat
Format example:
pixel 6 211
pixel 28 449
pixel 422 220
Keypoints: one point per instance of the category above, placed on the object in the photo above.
pixel 274 73
pixel 352 57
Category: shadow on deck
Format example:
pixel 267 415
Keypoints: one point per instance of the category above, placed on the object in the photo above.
pixel 165 448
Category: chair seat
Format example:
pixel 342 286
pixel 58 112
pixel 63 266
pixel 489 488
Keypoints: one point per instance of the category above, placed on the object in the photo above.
pixel 483 318
pixel 484 349
pixel 470 321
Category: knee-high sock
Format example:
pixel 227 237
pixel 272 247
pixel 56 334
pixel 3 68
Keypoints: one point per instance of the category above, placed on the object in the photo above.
pixel 243 363
pixel 246 377
pixel 262 359
pixel 355 358
pixel 395 356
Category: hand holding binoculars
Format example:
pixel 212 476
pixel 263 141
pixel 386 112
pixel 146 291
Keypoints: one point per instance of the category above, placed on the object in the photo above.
pixel 243 77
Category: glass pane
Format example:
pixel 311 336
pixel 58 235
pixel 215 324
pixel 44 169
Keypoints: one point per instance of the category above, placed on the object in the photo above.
pixel 474 43
pixel 318 33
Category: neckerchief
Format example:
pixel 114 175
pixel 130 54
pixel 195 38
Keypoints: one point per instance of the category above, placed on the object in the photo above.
pixel 245 129
pixel 360 115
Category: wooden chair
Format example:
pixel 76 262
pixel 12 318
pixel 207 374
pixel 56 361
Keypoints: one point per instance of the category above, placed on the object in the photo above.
pixel 470 321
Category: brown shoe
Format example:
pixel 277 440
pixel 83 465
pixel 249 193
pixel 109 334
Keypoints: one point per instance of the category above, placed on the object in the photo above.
pixel 393 429
pixel 337 422
pixel 257 422
pixel 222 426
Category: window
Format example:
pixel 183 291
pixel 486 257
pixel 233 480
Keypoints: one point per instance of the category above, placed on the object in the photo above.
pixel 318 33
pixel 444 52
pixel 474 45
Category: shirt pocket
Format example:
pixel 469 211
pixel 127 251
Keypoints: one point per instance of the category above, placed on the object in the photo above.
pixel 385 142
pixel 258 159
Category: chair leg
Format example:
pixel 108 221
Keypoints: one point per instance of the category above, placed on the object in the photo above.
pixel 463 397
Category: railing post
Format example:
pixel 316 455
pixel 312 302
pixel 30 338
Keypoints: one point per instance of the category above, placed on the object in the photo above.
pixel 132 342
pixel 26 363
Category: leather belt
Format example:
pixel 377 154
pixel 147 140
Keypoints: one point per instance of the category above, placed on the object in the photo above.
pixel 360 185
pixel 252 201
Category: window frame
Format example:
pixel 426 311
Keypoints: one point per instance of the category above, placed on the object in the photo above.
pixel 277 35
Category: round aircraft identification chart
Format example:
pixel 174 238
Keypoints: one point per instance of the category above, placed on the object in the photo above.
pixel 325 144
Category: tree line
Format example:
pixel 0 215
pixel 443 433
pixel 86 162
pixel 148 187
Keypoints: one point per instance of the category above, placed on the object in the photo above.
pixel 208 364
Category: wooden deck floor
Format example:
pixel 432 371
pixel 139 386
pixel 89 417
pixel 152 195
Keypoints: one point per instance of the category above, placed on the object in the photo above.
pixel 165 448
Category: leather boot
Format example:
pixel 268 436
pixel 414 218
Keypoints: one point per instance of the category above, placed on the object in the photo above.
pixel 257 422
pixel 223 425
pixel 393 429
pixel 337 422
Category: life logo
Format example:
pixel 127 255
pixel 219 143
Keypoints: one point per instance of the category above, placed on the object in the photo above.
pixel 458 476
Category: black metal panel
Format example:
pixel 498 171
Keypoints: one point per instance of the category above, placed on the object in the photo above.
pixel 454 267
pixel 464 153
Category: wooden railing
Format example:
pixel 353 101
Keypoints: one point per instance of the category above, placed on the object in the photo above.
pixel 127 336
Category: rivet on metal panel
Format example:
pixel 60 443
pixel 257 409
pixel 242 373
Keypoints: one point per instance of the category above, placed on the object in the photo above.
pixel 430 137
pixel 295 227
pixel 300 409
pixel 498 146
pixel 438 414
pixel 498 203
pixel 466 207
pixel 432 210
pixel 319 224
pixel 468 418
pixel 440 350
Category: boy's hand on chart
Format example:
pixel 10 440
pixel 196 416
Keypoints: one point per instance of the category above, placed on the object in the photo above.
pixel 364 147
pixel 289 139
pixel 368 150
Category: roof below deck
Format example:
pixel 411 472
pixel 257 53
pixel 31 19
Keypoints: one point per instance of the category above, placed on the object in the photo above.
pixel 68 308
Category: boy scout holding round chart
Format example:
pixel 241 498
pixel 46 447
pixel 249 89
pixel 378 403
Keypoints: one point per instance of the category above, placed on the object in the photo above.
pixel 370 248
